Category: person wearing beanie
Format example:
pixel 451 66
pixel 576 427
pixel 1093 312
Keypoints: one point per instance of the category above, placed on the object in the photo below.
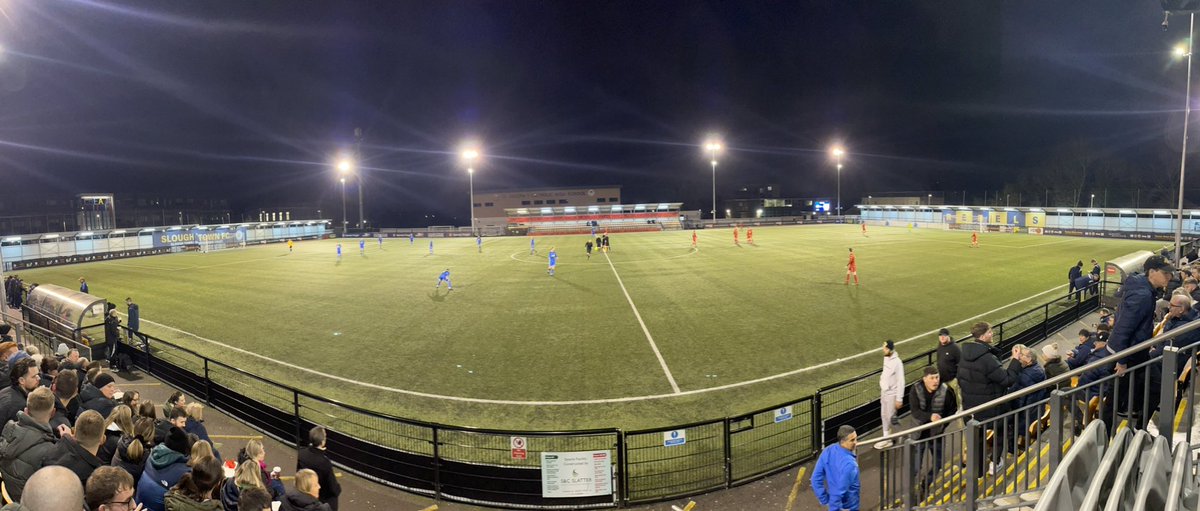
pixel 164 467
pixel 948 355
pixel 101 401
pixel 1054 365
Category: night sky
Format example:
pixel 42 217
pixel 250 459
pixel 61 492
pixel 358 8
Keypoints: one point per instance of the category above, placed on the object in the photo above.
pixel 252 101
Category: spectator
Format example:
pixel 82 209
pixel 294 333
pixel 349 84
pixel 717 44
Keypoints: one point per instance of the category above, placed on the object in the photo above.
pixel 103 403
pixel 1079 354
pixel 835 476
pixel 246 476
pixel 7 350
pixel 133 450
pixel 304 497
pixel 200 450
pixel 78 451
pixel 891 390
pixel 1193 288
pixel 66 399
pixel 195 425
pixel 165 466
pixel 134 315
pixel 1073 274
pixel 1182 313
pixel 1031 374
pixel 1095 270
pixel 52 489
pixel 983 379
pixel 1053 364
pixel 117 425
pixel 313 458
pixel 194 490
pixel 1084 284
pixel 131 398
pixel 17 356
pixel 254 451
pixel 72 360
pixel 23 378
pixel 178 400
pixel 109 489
pixel 173 418
pixel 112 335
pixel 930 401
pixel 83 287
pixel 147 409
pixel 948 355
pixel 49 369
pixel 26 441
pixel 1135 323
pixel 254 499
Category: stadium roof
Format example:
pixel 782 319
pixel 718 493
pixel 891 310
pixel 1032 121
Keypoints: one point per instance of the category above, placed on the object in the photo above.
pixel 593 209
pixel 545 189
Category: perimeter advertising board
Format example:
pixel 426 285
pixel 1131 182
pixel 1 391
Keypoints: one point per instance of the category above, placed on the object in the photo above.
pixel 576 474
pixel 179 237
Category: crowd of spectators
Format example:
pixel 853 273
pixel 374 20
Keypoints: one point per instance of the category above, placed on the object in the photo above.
pixel 70 438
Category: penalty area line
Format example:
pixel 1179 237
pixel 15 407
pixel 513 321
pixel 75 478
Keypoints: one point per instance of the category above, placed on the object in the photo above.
pixel 636 314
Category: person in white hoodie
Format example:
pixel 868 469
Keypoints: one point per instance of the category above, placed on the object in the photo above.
pixel 891 389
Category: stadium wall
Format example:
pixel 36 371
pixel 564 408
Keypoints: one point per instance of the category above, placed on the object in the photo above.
pixel 50 249
pixel 1153 224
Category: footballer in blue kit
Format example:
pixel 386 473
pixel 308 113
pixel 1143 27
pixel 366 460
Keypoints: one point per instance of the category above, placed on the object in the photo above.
pixel 444 277
pixel 553 256
pixel 532 246
pixel 362 246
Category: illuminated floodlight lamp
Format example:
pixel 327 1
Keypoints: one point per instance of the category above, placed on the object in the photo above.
pixel 569 209
pixel 664 206
pixel 1125 211
pixel 345 165
pixel 1092 210
pixel 547 211
pixel 50 236
pixel 522 211
pixel 86 233
pixel 1039 210
pixel 639 207
pixel 615 208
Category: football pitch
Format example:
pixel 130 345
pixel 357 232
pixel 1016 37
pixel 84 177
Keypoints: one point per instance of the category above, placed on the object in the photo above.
pixel 651 334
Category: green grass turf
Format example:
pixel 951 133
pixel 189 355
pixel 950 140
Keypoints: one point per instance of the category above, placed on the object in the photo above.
pixel 720 315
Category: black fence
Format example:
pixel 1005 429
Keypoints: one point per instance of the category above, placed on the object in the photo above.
pixel 480 466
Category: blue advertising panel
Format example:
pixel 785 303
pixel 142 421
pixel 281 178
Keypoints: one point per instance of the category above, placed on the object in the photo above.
pixel 179 237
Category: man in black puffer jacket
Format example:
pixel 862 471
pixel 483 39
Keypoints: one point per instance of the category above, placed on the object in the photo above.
pixel 982 378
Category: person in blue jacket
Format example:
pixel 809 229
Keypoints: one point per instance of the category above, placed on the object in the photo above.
pixel 1134 324
pixel 835 476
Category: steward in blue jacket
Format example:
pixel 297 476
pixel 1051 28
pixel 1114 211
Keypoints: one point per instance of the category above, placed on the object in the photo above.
pixel 835 476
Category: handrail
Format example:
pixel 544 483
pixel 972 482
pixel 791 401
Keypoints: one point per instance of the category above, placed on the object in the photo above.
pixel 1049 384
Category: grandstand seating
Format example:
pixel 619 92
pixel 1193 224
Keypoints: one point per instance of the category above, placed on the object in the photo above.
pixel 635 221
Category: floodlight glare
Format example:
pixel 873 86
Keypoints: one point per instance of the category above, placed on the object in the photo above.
pixel 838 152
pixel 1180 50
pixel 470 155
pixel 344 165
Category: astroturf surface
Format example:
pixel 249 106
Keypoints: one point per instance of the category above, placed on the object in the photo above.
pixel 512 347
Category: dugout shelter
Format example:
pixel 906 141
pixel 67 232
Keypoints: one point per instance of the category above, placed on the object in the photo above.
pixel 1115 272
pixel 63 311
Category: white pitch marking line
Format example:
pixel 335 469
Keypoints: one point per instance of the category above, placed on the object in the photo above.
pixel 653 346
pixel 583 401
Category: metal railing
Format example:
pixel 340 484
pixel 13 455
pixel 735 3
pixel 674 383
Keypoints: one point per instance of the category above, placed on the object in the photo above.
pixel 1013 449
pixel 478 466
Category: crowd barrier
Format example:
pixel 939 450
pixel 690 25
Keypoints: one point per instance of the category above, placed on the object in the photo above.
pixel 478 466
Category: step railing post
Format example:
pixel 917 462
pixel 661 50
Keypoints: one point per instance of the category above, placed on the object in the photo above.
pixel 1057 424
pixel 1166 404
pixel 974 460
pixel 906 473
